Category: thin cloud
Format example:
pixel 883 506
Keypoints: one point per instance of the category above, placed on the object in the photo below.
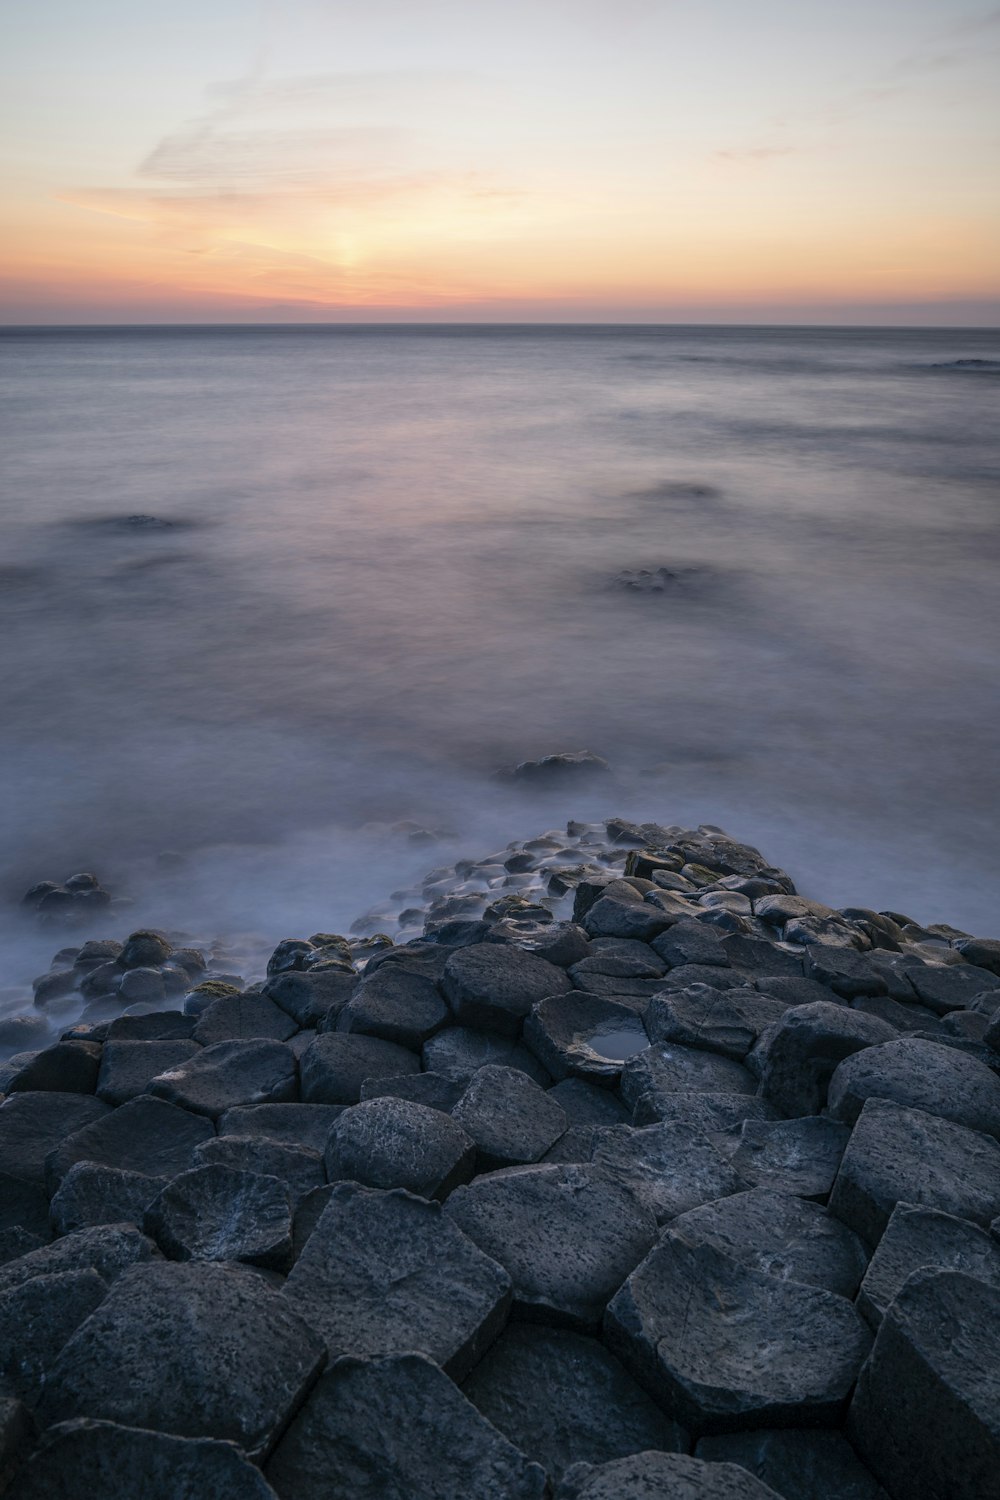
pixel 754 153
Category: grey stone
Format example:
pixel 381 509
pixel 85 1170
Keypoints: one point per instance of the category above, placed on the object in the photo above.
pixel 155 1026
pixel 714 1113
pixel 396 1429
pixel 562 1399
pixel 904 1155
pixel 394 1143
pixel 568 1236
pixel 795 989
pixel 800 1156
pixel 299 1167
pixel 383 1273
pixel 584 1036
pixel 90 1195
pixel 146 1135
pixel 575 1144
pixel 922 1239
pixel 926 1413
pixel 396 1004
pixel 434 1090
pixel 799 1054
pixel 457 1053
pixel 616 914
pixel 145 949
pixel 722 1347
pixel 690 942
pixel 242 1017
pixel 197 1350
pixel 586 1104
pixel 65 1067
pixel 846 971
pixel 311 997
pixel 292 1124
pixel 780 1235
pixel 335 1066
pixel 655 1476
pixel 230 1073
pixel 798 1464
pixel 36 1319
pixel 901 1015
pixel 219 1213
pixel 922 1075
pixel 955 987
pixel 760 958
pixel 108 1249
pixel 85 1460
pixel 307 1214
pixel 561 943
pixel 716 978
pixel 129 1067
pixel 493 986
pixel 142 985
pixel 508 1117
pixel 670 1168
pixel 725 1021
pixel 673 1069
pixel 984 953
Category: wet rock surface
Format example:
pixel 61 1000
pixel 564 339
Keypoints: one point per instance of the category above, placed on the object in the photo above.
pixel 617 1168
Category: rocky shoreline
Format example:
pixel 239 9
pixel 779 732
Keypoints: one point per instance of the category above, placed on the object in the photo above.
pixel 603 1168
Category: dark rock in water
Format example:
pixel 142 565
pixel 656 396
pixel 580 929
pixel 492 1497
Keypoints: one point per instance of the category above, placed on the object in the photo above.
pixel 646 1476
pixel 21 1033
pixel 897 1155
pixel 492 986
pixel 510 1119
pixel 722 1346
pixel 562 1399
pixel 383 1273
pixel 32 1125
pixel 146 985
pixel 397 1005
pixel 53 986
pixel 105 1461
pixel 651 580
pixel 36 1320
pixel 433 1090
pixel 669 1168
pixel 90 1195
pixel 586 1104
pixel 336 1064
pixel 801 1156
pixel 459 1051
pixel 566 767
pixel 291 954
pixel 292 1124
pixel 157 1026
pixel 396 1427
pixel 921 1075
pixel 394 1143
pixel 312 997
pixel 204 995
pixel 714 1113
pixel 146 1135
pixel 798 1464
pixel 923 1239
pixel 227 1074
pixel 66 1067
pixel 196 1350
pixel 128 1068
pixel 108 1250
pixel 219 1213
pixel 584 1036
pixel 672 1069
pixel 568 1235
pixel 926 1414
pixel 956 987
pixel 144 950
pixel 798 1055
pixel 243 1017
pixel 780 1235
pixel 725 1021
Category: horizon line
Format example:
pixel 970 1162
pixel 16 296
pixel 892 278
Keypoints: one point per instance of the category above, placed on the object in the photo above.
pixel 459 324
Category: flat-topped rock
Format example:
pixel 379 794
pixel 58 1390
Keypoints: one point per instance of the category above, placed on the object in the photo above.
pixel 648 1476
pixel 798 1055
pixel 145 1135
pixel 670 1167
pixel 567 1235
pixel 799 1156
pixel 219 1213
pixel 311 998
pixel 955 987
pixel 300 1168
pixel 921 1075
pixel 923 1239
pixel 36 1320
pixel 725 1021
pixel 230 1073
pixel 243 1017
pixel 509 1118
pixel 562 1399
pixel 336 1064
pixel 493 986
pixel 386 1272
pixel 394 1143
pixel 33 1125
pixel 91 1194
pixel 672 1069
pixel 714 1113
pixel 290 1124
pixel 433 1090
pixel 196 1350
pixel 798 1464
pixel 396 1426
pixel 585 1036
pixel 396 1004
pixel 108 1249
pixel 69 1067
pixel 129 1067
pixel 723 1347
pixel 458 1051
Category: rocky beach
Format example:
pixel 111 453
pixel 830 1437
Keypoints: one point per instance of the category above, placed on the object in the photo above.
pixel 601 1167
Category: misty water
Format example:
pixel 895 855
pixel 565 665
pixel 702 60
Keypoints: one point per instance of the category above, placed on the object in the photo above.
pixel 754 569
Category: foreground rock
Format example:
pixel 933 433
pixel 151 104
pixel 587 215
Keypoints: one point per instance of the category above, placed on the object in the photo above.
pixel 648 1475
pixel 923 1239
pixel 797 1464
pixel 394 1143
pixel 218 1213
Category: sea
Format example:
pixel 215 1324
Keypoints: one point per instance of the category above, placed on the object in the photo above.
pixel 267 593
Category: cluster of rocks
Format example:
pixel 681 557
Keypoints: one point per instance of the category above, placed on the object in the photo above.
pixel 75 900
pixel 641 1175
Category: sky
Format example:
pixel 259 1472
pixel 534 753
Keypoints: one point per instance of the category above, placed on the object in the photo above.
pixel 763 161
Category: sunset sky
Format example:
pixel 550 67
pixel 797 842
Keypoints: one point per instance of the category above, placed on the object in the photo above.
pixel 546 160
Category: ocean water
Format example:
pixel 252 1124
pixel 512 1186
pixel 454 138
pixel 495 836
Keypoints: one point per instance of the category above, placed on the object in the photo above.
pixel 755 569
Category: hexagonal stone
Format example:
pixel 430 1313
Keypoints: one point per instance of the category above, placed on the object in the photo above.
pixel 69 1067
pixel 458 1051
pixel 922 1239
pixel 509 1118
pixel 714 1113
pixel 725 1021
pixel 196 1350
pixel 568 1236
pixel 146 1135
pixel 230 1073
pixel 926 1414
pixel 298 1167
pixel 433 1090
pixel 562 1399
pixel 109 1250
pixel 953 987
pixel 672 1069
pixel 798 1464
pixel 904 1155
pixel 585 1036
pixel 690 942
pixel 292 1124
pixel 781 1236
pixel 587 1104
pixel 670 1168
pixel 647 1476
pixel 800 1156
pixel 921 1075
pixel 90 1194
pixel 32 1125
pixel 394 1143
pixel 219 1213
pixel 847 972
pixel 721 1346
pixel 382 1273
pixel 396 1426
pixel 799 1054
pixel 128 1068
pixel 36 1319
pixel 494 986
pixel 104 1461
pixel 397 1005
pixel 309 998
pixel 243 1017
pixel 336 1064
pixel 154 1026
